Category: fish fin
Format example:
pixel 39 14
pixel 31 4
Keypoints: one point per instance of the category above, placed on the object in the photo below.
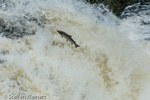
pixel 69 35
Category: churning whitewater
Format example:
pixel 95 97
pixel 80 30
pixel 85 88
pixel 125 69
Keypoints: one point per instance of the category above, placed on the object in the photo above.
pixel 112 62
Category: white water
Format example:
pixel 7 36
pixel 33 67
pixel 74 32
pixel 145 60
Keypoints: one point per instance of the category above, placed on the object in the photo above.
pixel 112 62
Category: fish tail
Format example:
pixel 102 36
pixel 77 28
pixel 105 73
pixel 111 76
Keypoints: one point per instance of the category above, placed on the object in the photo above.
pixel 76 45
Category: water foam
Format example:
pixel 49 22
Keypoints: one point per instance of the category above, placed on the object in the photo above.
pixel 107 66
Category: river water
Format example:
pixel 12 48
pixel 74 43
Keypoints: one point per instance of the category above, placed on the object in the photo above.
pixel 112 62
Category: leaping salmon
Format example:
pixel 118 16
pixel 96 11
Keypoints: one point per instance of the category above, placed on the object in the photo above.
pixel 68 37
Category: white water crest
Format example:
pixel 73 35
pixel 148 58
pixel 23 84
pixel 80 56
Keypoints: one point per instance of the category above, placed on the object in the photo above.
pixel 112 62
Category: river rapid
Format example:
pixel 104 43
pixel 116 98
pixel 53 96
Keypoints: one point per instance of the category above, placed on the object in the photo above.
pixel 112 62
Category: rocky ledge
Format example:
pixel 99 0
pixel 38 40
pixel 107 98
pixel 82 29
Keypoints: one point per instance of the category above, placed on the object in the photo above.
pixel 117 6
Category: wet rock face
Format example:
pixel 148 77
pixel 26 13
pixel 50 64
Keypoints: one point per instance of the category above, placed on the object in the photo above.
pixel 137 9
pixel 95 1
pixel 117 6
pixel 3 53
pixel 8 30
pixel 20 27
pixel 6 4
pixel 1 61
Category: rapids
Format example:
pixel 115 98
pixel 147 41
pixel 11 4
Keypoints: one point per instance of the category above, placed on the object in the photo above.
pixel 112 62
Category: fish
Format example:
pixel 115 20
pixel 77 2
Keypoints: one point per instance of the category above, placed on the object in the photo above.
pixel 68 37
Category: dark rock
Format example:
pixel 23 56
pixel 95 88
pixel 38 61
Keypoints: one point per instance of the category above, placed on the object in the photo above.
pixel 6 4
pixel 1 61
pixel 145 23
pixel 137 9
pixel 117 6
pixel 4 52
pixel 15 29
pixel 147 39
